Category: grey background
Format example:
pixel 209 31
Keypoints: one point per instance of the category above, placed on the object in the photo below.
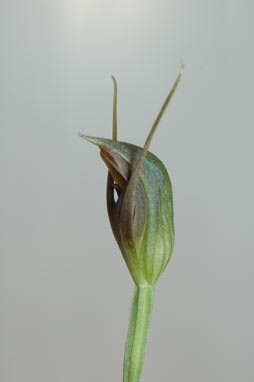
pixel 65 291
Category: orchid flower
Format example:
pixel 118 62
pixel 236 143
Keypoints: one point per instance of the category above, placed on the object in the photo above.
pixel 140 209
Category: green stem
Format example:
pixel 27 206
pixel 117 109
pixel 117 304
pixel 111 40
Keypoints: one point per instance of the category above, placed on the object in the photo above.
pixel 141 309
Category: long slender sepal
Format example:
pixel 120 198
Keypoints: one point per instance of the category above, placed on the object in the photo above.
pixel 129 200
pixel 141 310
pixel 114 130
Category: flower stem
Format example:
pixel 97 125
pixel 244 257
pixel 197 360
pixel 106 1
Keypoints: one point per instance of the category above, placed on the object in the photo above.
pixel 141 309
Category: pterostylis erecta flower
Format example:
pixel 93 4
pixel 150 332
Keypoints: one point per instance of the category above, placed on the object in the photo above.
pixel 140 209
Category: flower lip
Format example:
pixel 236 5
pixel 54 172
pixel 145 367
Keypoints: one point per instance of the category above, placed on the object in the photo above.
pixel 118 167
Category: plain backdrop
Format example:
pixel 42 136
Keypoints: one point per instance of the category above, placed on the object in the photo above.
pixel 65 291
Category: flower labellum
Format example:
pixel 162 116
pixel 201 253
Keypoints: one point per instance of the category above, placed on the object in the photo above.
pixel 139 201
